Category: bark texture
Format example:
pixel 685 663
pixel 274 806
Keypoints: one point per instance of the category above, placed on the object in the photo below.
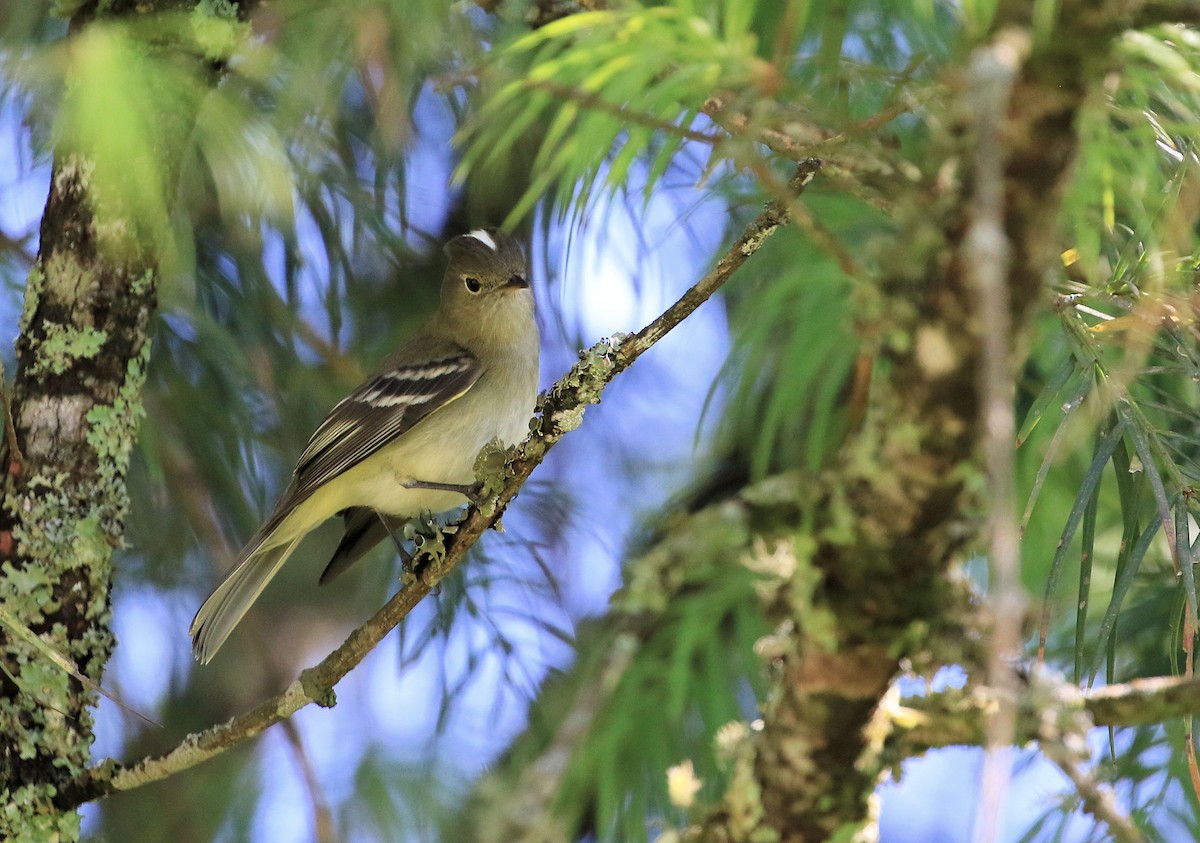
pixel 82 350
pixel 81 362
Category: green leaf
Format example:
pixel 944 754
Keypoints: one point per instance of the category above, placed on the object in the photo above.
pixel 1125 577
pixel 1086 556
pixel 1069 370
pixel 1105 445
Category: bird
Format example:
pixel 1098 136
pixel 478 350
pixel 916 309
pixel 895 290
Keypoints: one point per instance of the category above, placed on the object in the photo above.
pixel 405 441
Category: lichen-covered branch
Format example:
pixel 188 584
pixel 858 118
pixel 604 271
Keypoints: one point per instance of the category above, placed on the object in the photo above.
pixel 1050 711
pixel 957 717
pixel 82 352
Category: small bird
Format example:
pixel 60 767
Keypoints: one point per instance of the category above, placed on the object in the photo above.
pixel 406 440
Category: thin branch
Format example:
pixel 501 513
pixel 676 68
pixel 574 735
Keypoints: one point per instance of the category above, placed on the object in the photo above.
pixel 12 625
pixel 1098 798
pixel 1063 739
pixel 1053 712
pixel 1143 701
pixel 1189 732
pixel 989 87
pixel 323 824
pixel 561 410
pixel 801 141
pixel 737 123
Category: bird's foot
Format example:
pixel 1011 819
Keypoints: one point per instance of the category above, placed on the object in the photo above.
pixel 429 546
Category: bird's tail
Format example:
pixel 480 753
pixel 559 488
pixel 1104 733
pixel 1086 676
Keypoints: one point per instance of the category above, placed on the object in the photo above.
pixel 226 606
pixel 364 528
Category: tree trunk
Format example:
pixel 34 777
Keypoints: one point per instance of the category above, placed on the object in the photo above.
pixel 81 357
pixel 82 352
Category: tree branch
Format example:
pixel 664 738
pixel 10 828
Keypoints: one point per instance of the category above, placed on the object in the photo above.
pixel 958 717
pixel 560 411
pixel 990 76
pixel 1070 755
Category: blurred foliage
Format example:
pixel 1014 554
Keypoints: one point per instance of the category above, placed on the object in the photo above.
pixel 620 84
pixel 792 369
pixel 298 232
pixel 1117 363
pixel 692 672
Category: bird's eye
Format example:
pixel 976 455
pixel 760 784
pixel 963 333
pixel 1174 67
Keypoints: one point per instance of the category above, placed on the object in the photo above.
pixel 473 284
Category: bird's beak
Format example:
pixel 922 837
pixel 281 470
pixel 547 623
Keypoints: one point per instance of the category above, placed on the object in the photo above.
pixel 515 283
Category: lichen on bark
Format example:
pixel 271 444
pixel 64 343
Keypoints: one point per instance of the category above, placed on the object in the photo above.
pixel 81 362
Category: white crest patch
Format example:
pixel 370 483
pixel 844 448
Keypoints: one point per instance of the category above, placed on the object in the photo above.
pixel 483 237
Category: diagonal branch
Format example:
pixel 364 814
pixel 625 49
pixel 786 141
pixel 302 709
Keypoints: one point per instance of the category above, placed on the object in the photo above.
pixel 560 411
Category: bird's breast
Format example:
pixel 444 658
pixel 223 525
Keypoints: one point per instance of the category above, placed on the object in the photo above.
pixel 443 446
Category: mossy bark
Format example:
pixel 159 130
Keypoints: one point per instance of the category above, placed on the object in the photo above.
pixel 81 359
pixel 81 362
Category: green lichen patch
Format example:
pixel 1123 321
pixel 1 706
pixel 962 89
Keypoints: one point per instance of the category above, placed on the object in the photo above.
pixel 46 534
pixel 113 427
pixel 72 282
pixel 491 473
pixel 582 386
pixel 62 345
pixel 29 817
pixel 34 283
pixel 26 592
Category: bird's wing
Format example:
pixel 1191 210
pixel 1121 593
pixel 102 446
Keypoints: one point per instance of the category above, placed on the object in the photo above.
pixel 375 414
pixel 372 416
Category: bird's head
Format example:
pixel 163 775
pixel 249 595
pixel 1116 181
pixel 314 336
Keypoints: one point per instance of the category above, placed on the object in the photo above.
pixel 485 292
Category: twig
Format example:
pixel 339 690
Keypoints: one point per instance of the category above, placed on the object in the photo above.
pixel 802 140
pixel 11 624
pixel 561 410
pixel 1189 732
pixel 776 140
pixel 800 216
pixel 1098 799
pixel 1055 713
pixel 989 87
pixel 1062 735
pixel 322 817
